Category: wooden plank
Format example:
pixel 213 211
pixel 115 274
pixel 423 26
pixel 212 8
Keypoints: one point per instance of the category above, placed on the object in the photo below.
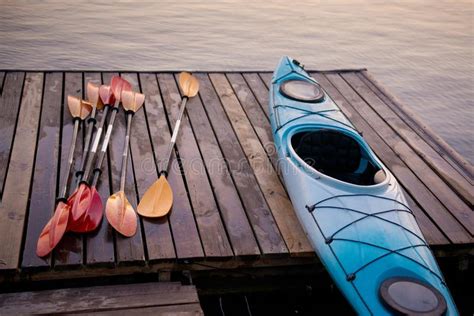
pixel 128 249
pixel 100 243
pixel 237 224
pixel 433 208
pixel 183 226
pixel 254 111
pixel 43 191
pixel 268 180
pixel 258 212
pixel 443 148
pixel 17 184
pixel 69 251
pixel 214 235
pixel 460 210
pixel 260 91
pixel 97 298
pixel 9 105
pixel 2 77
pixel 432 233
pixel 211 229
pixel 390 112
pixel 180 310
pixel 266 78
pixel 159 240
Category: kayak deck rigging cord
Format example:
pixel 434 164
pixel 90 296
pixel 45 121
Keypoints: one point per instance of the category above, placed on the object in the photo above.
pixel 309 113
pixel 351 276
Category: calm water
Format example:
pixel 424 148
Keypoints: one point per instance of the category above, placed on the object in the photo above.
pixel 423 51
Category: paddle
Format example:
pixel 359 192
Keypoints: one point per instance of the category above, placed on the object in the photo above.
pixel 118 210
pixel 158 199
pixel 94 98
pixel 108 99
pixel 55 228
pixel 86 205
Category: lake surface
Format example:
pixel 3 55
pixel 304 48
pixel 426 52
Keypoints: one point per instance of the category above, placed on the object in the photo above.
pixel 422 51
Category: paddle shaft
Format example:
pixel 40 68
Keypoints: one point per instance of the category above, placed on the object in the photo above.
pixel 165 165
pixel 90 128
pixel 95 145
pixel 125 151
pixel 105 143
pixel 63 192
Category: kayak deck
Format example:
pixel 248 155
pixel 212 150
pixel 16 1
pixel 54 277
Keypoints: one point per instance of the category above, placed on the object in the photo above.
pixel 231 208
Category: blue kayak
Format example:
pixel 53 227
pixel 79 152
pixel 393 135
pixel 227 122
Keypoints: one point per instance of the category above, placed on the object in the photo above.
pixel 350 205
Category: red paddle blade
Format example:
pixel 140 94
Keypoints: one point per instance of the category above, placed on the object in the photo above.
pixel 54 230
pixel 118 85
pixel 80 201
pixel 106 94
pixel 92 216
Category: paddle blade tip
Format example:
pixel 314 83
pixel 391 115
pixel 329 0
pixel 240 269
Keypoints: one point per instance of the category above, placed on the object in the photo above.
pixel 118 84
pixel 53 231
pixel 106 94
pixel 188 84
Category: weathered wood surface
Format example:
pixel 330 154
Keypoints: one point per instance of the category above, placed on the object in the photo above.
pixel 267 178
pixel 150 298
pixel 229 200
pixel 2 76
pixel 258 211
pixel 391 136
pixel 14 205
pixel 211 229
pixel 9 103
pixel 43 190
pixel 150 149
pixel 428 135
pixel 233 213
pixel 129 250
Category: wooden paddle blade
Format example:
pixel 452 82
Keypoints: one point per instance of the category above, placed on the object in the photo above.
pixel 121 215
pixel 132 101
pixel 106 94
pixel 92 215
pixel 54 230
pixel 80 201
pixel 93 95
pixel 78 107
pixel 188 84
pixel 118 85
pixel 157 200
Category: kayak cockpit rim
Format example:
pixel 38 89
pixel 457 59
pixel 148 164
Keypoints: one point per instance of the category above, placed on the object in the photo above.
pixel 366 152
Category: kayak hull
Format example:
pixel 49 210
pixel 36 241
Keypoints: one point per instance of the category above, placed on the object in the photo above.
pixel 363 234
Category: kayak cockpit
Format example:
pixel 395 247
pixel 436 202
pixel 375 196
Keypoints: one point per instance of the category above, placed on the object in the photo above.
pixel 337 155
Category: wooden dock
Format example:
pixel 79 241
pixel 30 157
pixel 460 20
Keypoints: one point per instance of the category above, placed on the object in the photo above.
pixel 231 209
pixel 160 298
